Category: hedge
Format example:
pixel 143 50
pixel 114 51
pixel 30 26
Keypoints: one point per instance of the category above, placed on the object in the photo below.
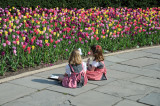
pixel 80 3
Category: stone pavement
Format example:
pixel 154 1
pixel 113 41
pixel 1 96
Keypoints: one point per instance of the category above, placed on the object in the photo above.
pixel 133 80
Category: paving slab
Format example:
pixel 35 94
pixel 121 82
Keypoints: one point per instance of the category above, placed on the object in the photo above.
pixel 9 92
pixel 103 82
pixel 155 56
pixel 153 50
pixel 133 54
pixel 124 68
pixel 153 67
pixel 34 82
pixel 108 63
pixel 93 98
pixel 120 75
pixel 129 103
pixel 41 98
pixel 151 99
pixel 58 71
pixel 125 89
pixel 73 92
pixel 147 81
pixel 114 59
pixel 141 62
pixel 135 70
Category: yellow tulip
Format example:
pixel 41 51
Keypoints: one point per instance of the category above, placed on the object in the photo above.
pixel 11 24
pixel 16 17
pixel 14 27
pixel 110 25
pixel 119 29
pixel 104 37
pixel 33 47
pixel 24 38
pixel 26 30
pixel 17 42
pixel 6 33
pixel 35 15
pixel 50 30
pixel 46 41
pixel 40 32
pixel 44 28
pixel 8 13
pixel 54 33
pixel 57 34
pixel 107 31
pixel 10 30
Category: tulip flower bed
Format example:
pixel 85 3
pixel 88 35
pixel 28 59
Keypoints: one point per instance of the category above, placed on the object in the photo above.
pixel 30 37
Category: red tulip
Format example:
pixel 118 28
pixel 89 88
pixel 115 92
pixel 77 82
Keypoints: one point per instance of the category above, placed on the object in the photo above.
pixel 80 38
pixel 23 46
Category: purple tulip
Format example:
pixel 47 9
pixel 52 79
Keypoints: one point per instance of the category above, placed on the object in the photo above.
pixel 40 45
pixel 3 53
pixel 69 42
pixel 37 43
pixel 82 42
pixel 6 38
pixel 14 48
pixel 86 41
pixel 76 40
pixel 54 46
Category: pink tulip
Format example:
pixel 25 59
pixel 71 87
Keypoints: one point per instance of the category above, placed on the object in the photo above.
pixel 4 44
pixel 14 52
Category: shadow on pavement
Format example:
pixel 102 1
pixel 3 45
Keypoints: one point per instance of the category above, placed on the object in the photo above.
pixel 43 81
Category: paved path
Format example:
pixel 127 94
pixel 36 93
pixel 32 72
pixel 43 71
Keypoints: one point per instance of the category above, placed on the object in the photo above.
pixel 133 80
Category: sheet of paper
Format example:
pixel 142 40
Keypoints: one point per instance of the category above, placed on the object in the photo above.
pixel 54 76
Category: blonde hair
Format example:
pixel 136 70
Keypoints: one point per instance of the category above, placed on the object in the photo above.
pixel 75 57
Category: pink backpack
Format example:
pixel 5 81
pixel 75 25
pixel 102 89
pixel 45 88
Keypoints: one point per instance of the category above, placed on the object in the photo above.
pixel 75 80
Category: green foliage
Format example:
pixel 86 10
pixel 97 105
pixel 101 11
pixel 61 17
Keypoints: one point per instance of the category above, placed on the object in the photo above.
pixel 80 3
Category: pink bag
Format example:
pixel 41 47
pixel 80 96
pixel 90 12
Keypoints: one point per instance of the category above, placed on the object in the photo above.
pixel 75 80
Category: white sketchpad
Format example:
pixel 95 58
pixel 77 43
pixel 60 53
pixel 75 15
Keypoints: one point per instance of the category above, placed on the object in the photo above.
pixel 53 77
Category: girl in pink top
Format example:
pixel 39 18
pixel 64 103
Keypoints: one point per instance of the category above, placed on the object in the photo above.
pixel 96 70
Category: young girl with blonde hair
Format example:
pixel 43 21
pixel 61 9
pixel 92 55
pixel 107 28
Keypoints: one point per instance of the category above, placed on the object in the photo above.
pixel 75 75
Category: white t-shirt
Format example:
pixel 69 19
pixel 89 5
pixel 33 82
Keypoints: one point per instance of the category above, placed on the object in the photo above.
pixel 95 63
pixel 68 71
